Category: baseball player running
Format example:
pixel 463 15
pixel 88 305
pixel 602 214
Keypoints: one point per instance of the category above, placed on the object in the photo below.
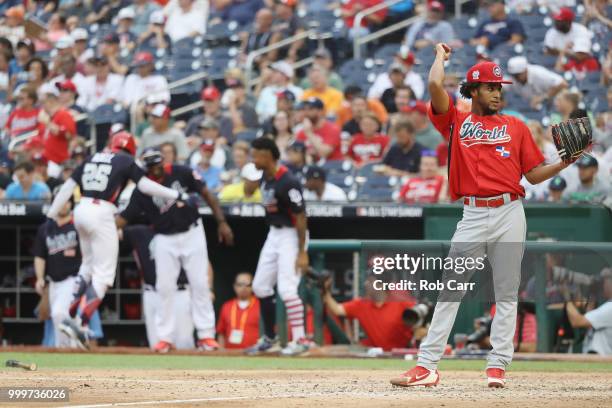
pixel 283 255
pixel 101 179
pixel 180 241
pixel 488 154
pixel 139 237
pixel 57 258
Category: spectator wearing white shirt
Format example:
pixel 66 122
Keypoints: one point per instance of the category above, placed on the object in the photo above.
pixel 565 32
pixel 412 79
pixel 281 74
pixel 160 132
pixel 103 87
pixel 185 21
pixel 318 189
pixel 534 83
pixel 144 82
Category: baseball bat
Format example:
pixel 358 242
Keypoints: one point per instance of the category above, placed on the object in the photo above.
pixel 18 364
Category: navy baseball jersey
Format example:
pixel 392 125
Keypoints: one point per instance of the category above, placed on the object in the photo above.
pixel 59 246
pixel 104 175
pixel 139 238
pixel 165 217
pixel 282 198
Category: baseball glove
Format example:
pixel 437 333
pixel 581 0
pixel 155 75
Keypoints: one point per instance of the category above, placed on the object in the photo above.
pixel 572 138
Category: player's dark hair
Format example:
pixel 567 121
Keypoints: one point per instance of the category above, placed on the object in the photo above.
pixel 466 89
pixel 263 143
pixel 25 165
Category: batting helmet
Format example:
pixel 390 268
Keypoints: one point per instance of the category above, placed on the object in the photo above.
pixel 123 141
pixel 151 157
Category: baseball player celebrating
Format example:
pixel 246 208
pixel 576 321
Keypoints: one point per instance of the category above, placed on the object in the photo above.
pixel 139 237
pixel 101 179
pixel 179 242
pixel 488 154
pixel 57 258
pixel 283 255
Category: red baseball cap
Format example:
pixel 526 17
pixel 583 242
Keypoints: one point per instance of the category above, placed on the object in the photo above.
pixel 564 14
pixel 66 85
pixel 407 57
pixel 142 58
pixel 210 93
pixel 486 72
pixel 435 5
pixel 415 106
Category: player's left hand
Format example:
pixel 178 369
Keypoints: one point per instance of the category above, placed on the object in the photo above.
pixel 301 263
pixel 225 233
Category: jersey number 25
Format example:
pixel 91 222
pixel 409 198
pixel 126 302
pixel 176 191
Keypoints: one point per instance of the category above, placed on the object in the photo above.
pixel 95 176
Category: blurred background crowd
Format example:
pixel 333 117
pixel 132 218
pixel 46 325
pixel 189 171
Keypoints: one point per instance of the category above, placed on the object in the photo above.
pixel 189 77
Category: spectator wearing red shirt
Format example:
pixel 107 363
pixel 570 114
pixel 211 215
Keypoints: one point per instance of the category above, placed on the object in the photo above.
pixel 380 319
pixel 577 59
pixel 58 129
pixel 349 10
pixel 428 186
pixel 368 145
pixel 24 118
pixel 238 325
pixel 322 138
pixel 526 333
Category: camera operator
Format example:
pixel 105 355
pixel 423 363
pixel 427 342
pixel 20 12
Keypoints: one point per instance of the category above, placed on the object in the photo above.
pixel 598 321
pixel 381 320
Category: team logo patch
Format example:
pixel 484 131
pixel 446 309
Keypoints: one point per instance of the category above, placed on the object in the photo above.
pixel 502 151
pixel 497 71
pixel 476 75
pixel 473 133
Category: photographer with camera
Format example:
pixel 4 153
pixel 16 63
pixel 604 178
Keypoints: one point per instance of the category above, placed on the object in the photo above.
pixel 383 321
pixel 598 321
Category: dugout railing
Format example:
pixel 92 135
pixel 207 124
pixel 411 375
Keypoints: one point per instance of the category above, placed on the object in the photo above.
pixel 579 271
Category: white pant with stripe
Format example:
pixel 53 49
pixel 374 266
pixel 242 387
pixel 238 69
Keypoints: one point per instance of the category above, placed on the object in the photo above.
pixel 183 335
pixel 187 250
pixel 500 234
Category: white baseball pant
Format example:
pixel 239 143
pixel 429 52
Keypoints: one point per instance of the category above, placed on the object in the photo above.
pixel 500 234
pixel 276 265
pixel 60 297
pixel 94 220
pixel 183 336
pixel 186 249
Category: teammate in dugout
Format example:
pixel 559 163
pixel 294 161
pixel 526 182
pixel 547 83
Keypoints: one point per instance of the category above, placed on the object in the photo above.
pixel 283 257
pixel 139 238
pixel 180 241
pixel 101 179
pixel 488 154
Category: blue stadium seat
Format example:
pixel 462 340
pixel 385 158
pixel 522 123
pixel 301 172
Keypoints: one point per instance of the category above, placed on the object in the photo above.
pixel 247 135
pixel 382 194
pixel 343 167
pixel 110 113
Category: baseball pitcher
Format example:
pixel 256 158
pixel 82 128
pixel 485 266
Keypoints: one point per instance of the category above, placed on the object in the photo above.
pixel 488 154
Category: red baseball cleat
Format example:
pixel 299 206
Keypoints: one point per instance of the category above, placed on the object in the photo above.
pixel 496 377
pixel 162 347
pixel 208 345
pixel 417 376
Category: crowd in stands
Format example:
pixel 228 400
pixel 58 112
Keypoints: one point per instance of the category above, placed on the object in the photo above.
pixel 66 64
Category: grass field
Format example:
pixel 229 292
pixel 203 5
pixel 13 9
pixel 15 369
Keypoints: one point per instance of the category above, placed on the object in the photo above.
pixel 74 361
pixel 104 380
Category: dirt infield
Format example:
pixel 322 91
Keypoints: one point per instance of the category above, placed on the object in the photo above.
pixel 299 388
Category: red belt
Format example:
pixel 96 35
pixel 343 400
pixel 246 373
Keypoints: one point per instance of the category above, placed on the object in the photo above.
pixel 489 202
